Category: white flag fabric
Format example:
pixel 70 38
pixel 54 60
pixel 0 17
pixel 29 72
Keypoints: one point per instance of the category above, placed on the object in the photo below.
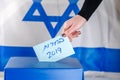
pixel 24 24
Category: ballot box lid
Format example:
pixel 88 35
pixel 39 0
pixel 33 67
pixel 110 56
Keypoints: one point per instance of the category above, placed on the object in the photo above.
pixel 32 62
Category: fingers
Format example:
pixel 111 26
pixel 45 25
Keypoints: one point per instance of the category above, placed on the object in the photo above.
pixel 72 35
pixel 75 34
pixel 72 26
pixel 71 29
pixel 67 25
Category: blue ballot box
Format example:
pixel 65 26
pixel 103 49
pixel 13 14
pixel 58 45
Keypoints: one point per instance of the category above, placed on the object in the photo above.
pixel 29 68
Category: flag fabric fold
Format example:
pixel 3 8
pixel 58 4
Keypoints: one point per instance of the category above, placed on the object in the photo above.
pixel 24 24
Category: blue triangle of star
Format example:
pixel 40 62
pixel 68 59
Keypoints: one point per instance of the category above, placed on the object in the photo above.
pixel 43 17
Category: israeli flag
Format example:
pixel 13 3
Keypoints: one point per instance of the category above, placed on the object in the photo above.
pixel 24 24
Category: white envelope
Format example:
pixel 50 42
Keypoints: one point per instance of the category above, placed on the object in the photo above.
pixel 54 49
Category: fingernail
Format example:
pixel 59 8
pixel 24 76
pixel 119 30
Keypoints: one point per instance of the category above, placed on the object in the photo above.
pixel 63 35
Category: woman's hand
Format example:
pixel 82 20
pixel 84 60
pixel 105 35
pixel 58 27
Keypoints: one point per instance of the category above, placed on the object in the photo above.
pixel 72 26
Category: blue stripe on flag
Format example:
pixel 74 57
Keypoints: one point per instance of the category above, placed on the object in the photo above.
pixel 99 59
pixel 8 51
pixel 96 59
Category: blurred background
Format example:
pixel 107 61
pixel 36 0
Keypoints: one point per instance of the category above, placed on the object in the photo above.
pixel 24 24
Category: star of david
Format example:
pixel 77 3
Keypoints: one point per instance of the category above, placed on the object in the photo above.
pixel 43 17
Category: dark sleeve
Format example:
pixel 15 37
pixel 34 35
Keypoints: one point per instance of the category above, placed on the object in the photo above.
pixel 88 8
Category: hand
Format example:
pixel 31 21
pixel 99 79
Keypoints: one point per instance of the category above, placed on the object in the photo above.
pixel 72 26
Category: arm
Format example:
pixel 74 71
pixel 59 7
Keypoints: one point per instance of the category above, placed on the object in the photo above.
pixel 88 8
pixel 72 25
